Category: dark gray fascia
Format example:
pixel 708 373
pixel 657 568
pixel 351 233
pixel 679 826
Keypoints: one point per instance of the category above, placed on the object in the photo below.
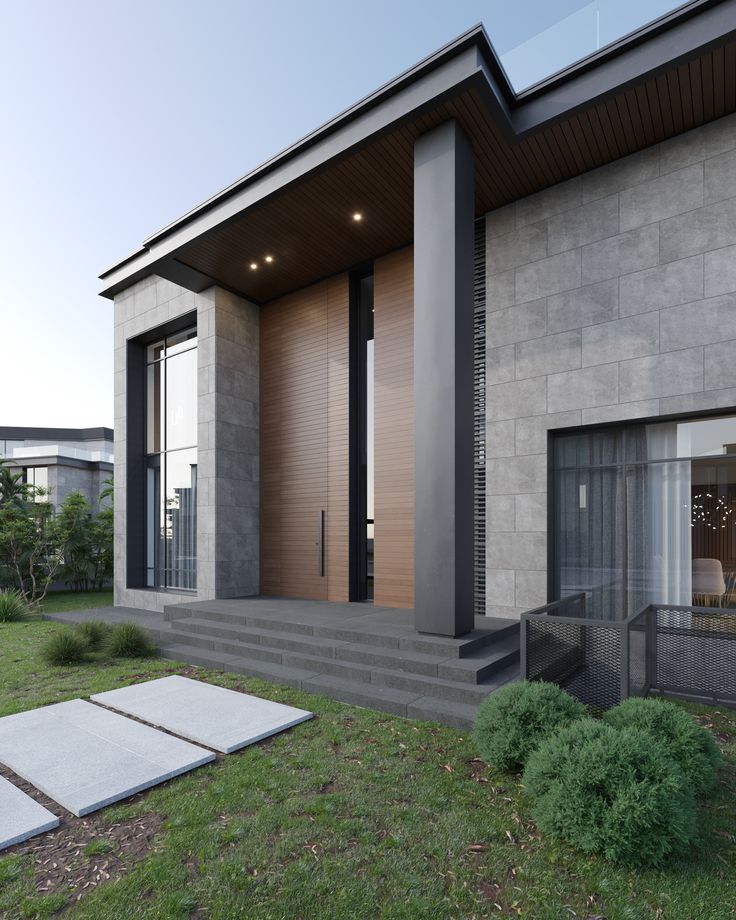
pixel 664 44
pixel 14 433
pixel 60 461
pixel 469 60
pixel 420 89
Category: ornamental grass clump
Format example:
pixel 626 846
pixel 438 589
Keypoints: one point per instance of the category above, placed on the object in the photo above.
pixel 513 721
pixel 613 792
pixel 94 632
pixel 65 648
pixel 13 606
pixel 692 747
pixel 128 640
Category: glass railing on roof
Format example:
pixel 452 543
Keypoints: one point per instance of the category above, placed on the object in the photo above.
pixel 571 37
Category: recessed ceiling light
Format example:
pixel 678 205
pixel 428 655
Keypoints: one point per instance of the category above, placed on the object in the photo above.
pixel 253 266
pixel 269 258
pixel 357 216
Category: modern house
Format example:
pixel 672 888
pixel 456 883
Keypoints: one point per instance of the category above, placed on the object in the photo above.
pixel 62 460
pixel 465 349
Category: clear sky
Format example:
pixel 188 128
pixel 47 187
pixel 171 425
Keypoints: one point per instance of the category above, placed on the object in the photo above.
pixel 117 116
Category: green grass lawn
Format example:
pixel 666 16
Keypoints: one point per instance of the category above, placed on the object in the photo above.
pixel 353 814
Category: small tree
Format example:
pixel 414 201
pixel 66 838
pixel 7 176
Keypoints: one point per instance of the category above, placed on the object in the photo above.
pixel 74 522
pixel 30 545
pixel 102 537
pixel 87 540
pixel 13 491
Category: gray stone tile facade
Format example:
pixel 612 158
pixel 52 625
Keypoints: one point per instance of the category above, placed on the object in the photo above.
pixel 228 436
pixel 628 312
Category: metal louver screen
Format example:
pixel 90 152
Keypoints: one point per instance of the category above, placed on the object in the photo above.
pixel 479 423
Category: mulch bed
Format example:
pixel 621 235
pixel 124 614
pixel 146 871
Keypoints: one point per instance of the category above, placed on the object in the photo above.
pixel 60 863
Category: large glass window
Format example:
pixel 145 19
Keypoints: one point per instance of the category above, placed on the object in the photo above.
pixel 38 476
pixel 646 514
pixel 171 474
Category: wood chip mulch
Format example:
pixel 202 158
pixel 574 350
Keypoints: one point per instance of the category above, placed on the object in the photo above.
pixel 61 864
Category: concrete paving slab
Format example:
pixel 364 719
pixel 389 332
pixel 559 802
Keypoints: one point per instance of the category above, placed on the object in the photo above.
pixel 21 816
pixel 85 757
pixel 220 718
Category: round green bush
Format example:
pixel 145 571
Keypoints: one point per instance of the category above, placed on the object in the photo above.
pixel 513 721
pixel 94 632
pixel 13 606
pixel 615 792
pixel 128 640
pixel 65 647
pixel 692 747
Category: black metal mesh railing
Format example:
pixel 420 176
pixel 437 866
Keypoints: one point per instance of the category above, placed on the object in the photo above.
pixel 695 651
pixel 685 651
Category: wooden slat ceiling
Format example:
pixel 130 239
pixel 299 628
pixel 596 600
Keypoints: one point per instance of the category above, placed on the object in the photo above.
pixel 308 226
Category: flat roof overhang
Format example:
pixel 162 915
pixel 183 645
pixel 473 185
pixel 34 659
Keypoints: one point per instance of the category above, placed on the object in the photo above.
pixel 673 75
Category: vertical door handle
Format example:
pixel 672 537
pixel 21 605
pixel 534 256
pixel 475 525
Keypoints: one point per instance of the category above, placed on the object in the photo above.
pixel 321 543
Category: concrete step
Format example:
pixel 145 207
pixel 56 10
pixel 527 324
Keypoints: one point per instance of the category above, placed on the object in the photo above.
pixel 358 693
pixel 353 631
pixel 251 635
pixel 233 616
pixel 348 670
pixel 279 674
pixel 466 645
pixel 482 665
pixel 439 646
pixel 451 690
pixel 446 712
pixel 388 658
pixel 223 646
pixel 271 645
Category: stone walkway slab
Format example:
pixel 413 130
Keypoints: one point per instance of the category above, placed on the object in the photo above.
pixel 220 718
pixel 84 757
pixel 21 816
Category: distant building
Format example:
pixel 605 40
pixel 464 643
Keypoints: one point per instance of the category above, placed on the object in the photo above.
pixel 61 460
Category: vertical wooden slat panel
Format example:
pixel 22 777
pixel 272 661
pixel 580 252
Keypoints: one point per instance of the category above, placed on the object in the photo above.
pixel 270 460
pixel 338 440
pixel 393 329
pixel 304 441
pixel 303 438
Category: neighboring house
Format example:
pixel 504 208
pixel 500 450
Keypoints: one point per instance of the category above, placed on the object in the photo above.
pixel 61 460
pixel 461 349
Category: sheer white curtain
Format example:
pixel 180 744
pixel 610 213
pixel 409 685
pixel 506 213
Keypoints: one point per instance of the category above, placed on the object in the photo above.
pixel 668 520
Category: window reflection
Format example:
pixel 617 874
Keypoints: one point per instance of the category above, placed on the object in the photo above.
pixel 647 514
pixel 171 477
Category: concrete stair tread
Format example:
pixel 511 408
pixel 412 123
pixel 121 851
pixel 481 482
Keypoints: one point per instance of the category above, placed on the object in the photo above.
pixel 357 693
pixel 447 712
pixel 404 659
pixel 354 623
pixel 222 646
pixel 253 635
pixel 236 653
pixel 278 673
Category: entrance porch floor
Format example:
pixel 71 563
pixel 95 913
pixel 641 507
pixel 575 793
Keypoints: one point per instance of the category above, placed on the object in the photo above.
pixel 360 654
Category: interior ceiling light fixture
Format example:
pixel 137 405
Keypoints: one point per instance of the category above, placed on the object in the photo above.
pixel 269 259
pixel 357 217
pixel 253 266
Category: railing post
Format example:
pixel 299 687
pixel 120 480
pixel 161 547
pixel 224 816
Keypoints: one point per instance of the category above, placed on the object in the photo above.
pixel 523 632
pixel 624 665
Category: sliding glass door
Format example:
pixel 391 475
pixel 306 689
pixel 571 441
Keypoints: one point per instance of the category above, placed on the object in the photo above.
pixel 646 514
